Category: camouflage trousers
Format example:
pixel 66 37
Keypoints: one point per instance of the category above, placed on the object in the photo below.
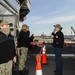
pixel 6 68
pixel 22 56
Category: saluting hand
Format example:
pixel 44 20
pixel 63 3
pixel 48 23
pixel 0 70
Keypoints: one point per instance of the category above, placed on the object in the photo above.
pixel 52 36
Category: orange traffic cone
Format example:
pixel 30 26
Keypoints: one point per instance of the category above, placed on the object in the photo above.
pixel 38 66
pixel 44 56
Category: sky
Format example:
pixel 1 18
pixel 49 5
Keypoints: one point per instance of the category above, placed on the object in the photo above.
pixel 46 13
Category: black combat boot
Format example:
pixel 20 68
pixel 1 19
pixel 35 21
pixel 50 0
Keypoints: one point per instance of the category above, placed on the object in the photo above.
pixel 57 73
pixel 26 71
pixel 21 73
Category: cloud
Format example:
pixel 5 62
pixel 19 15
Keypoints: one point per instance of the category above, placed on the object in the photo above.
pixel 52 13
pixel 34 18
pixel 48 20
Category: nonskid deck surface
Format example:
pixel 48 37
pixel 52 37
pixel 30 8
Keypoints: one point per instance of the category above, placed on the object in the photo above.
pixel 68 62
pixel 68 66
